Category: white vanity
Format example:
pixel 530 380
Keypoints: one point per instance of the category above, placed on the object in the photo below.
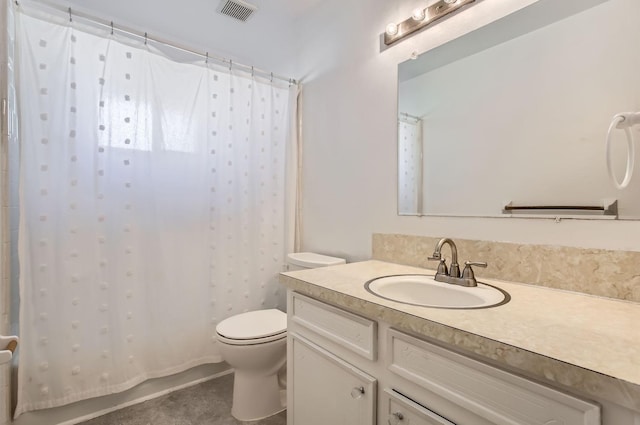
pixel 354 358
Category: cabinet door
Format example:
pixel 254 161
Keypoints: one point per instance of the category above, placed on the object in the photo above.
pixel 326 389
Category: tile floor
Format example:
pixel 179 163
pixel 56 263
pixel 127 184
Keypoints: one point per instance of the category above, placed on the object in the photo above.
pixel 208 403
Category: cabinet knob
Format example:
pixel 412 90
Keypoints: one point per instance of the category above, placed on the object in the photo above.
pixel 357 392
pixel 395 418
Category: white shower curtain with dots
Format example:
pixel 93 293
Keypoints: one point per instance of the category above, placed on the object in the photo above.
pixel 152 207
pixel 409 166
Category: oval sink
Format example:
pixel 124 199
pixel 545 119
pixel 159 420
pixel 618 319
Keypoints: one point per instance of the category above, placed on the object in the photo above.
pixel 424 290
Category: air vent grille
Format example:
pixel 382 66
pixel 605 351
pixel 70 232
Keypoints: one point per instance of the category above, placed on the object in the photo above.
pixel 237 9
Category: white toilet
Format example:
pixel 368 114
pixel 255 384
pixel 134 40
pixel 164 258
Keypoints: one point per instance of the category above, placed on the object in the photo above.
pixel 255 345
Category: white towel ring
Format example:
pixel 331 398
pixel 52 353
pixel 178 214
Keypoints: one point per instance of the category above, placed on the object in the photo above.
pixel 615 123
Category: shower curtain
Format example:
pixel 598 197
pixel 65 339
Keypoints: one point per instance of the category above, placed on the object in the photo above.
pixel 152 207
pixel 409 166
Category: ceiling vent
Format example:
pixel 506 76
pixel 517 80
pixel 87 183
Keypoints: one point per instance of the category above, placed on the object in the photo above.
pixel 237 9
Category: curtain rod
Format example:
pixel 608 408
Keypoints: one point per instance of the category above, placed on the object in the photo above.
pixel 147 37
pixel 404 114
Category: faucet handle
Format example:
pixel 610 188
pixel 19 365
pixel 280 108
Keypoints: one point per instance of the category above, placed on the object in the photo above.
pixel 467 273
pixel 442 267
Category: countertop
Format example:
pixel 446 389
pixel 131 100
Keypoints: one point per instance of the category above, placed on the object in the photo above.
pixel 580 342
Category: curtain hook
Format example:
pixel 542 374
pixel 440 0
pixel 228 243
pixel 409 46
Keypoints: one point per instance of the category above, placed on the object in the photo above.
pixel 272 77
pixel 111 27
pixel 290 82
pixel 206 59
pixel 146 38
pixel 252 72
pixel 70 18
pixel 230 64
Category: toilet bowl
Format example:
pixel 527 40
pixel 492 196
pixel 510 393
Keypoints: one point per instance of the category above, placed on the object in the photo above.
pixel 255 345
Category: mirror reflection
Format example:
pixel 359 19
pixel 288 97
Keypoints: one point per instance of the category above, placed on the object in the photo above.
pixel 524 121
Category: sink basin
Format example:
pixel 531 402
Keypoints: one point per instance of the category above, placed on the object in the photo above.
pixel 423 290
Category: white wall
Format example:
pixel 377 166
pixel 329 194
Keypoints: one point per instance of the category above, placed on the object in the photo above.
pixel 349 136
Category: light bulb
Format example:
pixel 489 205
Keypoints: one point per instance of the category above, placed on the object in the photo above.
pixel 392 29
pixel 418 14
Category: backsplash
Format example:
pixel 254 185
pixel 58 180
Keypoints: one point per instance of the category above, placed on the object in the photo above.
pixel 613 274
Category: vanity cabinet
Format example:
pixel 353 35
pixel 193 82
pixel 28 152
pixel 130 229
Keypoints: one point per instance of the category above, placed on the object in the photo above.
pixel 328 388
pixel 344 369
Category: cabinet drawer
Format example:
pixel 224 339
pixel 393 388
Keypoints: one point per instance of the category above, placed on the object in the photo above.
pixel 349 330
pixel 491 393
pixel 403 411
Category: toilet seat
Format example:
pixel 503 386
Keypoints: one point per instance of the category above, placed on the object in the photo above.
pixel 255 341
pixel 253 327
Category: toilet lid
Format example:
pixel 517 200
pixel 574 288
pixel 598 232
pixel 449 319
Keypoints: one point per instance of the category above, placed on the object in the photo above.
pixel 253 324
pixel 313 260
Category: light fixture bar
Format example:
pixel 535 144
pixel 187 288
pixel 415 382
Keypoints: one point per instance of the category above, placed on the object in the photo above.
pixel 431 14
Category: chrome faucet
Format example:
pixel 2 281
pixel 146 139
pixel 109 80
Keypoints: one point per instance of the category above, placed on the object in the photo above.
pixel 452 275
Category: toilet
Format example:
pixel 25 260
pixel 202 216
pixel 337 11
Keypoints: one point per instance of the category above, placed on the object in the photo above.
pixel 255 345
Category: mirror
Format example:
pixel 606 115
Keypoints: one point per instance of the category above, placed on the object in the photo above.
pixel 485 121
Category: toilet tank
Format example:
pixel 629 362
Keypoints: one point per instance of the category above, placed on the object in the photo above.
pixel 311 260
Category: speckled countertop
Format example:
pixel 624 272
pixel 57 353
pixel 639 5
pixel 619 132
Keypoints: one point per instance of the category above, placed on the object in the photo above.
pixel 580 342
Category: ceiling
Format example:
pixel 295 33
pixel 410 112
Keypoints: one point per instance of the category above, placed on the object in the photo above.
pixel 266 40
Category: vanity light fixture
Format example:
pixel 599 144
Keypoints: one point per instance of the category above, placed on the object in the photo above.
pixel 418 14
pixel 420 18
pixel 392 29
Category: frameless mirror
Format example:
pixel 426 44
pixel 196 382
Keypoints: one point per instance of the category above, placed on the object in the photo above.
pixel 485 122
